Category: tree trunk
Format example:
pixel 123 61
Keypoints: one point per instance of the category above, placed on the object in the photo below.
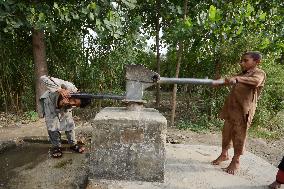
pixel 40 64
pixel 158 92
pixel 179 56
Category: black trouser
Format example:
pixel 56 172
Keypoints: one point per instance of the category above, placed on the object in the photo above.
pixel 55 137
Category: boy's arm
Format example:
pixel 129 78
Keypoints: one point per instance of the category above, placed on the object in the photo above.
pixel 227 81
pixel 64 95
pixel 254 80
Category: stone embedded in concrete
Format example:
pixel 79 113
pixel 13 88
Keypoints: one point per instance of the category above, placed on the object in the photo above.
pixel 128 144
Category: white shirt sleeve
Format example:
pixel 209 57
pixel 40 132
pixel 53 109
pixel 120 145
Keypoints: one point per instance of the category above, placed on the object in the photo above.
pixel 53 84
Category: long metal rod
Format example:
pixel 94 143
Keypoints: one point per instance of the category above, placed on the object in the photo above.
pixel 97 96
pixel 108 96
pixel 190 81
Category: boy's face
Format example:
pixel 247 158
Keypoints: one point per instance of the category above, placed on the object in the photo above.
pixel 75 102
pixel 247 63
pixel 71 102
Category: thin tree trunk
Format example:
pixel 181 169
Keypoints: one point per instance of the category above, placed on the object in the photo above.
pixel 179 56
pixel 158 92
pixel 4 96
pixel 40 63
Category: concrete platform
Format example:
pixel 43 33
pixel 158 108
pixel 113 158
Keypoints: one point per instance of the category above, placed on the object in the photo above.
pixel 188 166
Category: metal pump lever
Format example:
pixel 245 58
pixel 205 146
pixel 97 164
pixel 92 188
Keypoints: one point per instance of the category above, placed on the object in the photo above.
pixel 138 78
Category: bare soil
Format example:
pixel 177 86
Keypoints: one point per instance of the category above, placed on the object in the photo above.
pixel 270 150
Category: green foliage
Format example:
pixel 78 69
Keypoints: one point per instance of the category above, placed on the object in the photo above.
pixel 89 42
pixel 202 124
pixel 269 113
pixel 31 115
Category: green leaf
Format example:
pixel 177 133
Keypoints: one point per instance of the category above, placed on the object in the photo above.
pixel 179 10
pixel 212 13
pixel 265 43
pixel 92 6
pixel 41 16
pixel 67 18
pixel 52 27
pixel 240 30
pixel 110 15
pixel 75 15
pixel 249 10
pixel 188 23
pixel 10 2
pixel 55 5
pixel 262 16
pixel 130 3
pixel 84 11
pixel 91 16
pixel 98 23
pixel 115 35
pixel 33 10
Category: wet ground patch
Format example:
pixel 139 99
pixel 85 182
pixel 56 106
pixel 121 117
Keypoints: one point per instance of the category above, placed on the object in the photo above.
pixel 21 156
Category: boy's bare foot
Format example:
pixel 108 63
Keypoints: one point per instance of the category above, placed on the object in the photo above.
pixel 274 185
pixel 234 165
pixel 220 159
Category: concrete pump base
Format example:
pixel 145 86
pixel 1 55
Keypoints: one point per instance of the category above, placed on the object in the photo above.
pixel 128 145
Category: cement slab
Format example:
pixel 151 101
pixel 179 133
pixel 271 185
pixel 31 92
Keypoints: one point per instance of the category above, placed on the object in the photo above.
pixel 188 166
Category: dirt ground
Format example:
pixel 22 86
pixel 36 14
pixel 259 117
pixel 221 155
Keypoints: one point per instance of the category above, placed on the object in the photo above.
pixel 271 151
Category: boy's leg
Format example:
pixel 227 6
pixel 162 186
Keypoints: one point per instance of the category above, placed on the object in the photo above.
pixel 239 139
pixel 73 142
pixel 71 137
pixel 55 138
pixel 226 143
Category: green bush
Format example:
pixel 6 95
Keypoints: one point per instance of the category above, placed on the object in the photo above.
pixel 201 124
pixel 31 116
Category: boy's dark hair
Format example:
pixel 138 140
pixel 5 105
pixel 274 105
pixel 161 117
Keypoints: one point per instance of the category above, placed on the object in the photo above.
pixel 85 102
pixel 254 54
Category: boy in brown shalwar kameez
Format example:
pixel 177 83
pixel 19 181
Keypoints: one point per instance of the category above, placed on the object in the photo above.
pixel 239 108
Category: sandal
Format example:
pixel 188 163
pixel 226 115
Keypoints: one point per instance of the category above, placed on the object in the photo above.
pixel 56 152
pixel 77 148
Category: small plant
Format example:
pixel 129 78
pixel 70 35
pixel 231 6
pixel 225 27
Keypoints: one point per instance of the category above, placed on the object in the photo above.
pixel 32 116
pixel 202 124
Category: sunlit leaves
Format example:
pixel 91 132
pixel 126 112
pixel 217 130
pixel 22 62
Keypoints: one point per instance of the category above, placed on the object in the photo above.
pixel 212 13
pixel 240 29
pixel 188 23
pixel 91 16
pixel 262 16
pixel 249 10
pixel 265 43
pixel 130 3
pixel 41 16
pixel 55 5
pixel 92 6
pixel 46 16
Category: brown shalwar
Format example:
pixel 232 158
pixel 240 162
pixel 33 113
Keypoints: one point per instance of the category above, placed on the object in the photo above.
pixel 239 108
